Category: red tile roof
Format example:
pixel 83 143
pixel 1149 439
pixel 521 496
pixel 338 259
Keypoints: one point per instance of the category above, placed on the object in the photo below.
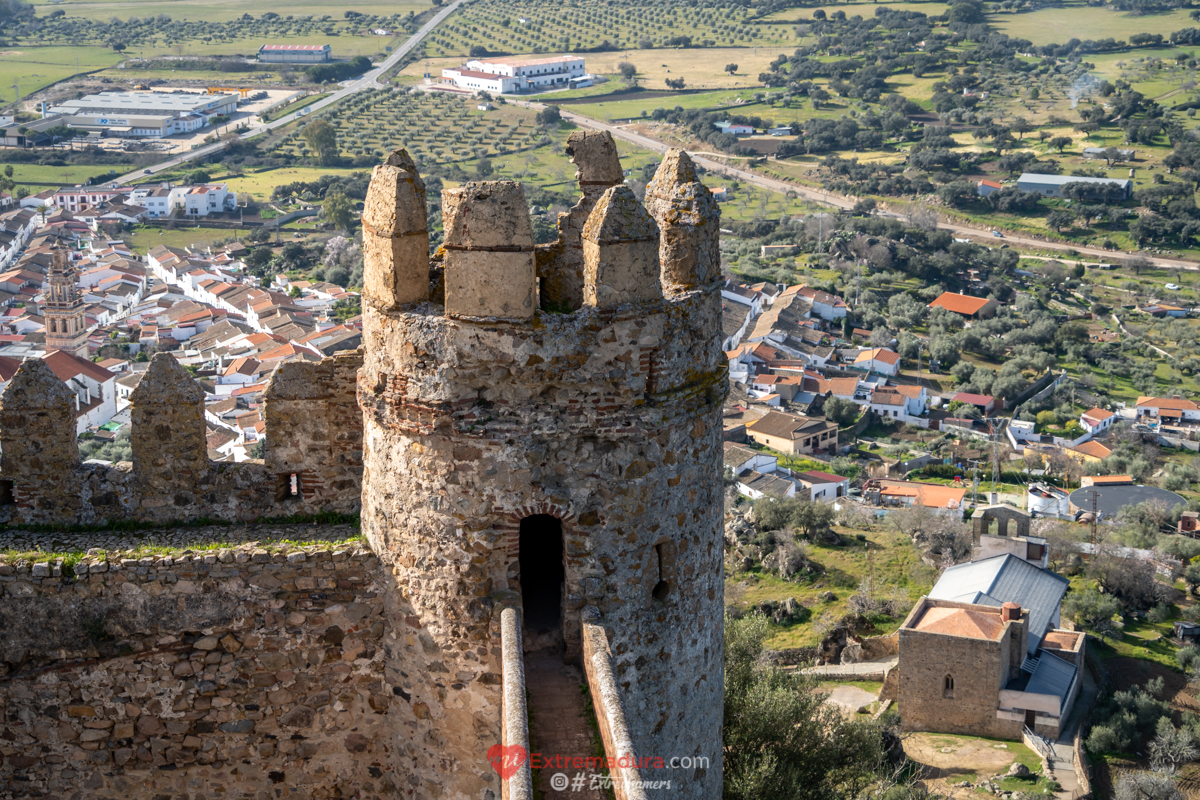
pixel 1167 402
pixel 975 624
pixel 1093 449
pixel 959 303
pixel 974 399
pixel 878 354
pixel 821 477
pixel 66 366
pixel 8 368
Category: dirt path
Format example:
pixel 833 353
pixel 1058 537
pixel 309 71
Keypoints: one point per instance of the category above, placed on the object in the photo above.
pixel 1125 331
pixel 850 698
pixel 945 756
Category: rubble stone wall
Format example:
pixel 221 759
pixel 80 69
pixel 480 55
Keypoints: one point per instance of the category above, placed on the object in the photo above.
pixel 314 432
pixel 233 673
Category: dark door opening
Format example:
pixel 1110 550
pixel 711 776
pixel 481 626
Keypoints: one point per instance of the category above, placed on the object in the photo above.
pixel 1030 718
pixel 542 574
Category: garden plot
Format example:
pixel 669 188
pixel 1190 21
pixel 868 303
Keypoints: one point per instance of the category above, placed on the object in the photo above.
pixel 541 27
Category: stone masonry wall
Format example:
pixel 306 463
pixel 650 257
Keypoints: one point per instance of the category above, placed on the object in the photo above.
pixel 980 668
pixel 224 674
pixel 314 431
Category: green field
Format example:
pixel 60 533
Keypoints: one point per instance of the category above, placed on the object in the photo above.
pixel 36 177
pixel 932 8
pixel 35 68
pixel 343 47
pixel 221 10
pixel 143 239
pixel 552 26
pixel 260 184
pixel 1076 20
pixel 140 74
pixel 726 102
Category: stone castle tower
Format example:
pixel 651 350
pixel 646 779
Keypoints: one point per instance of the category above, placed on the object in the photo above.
pixel 542 430
pixel 66 328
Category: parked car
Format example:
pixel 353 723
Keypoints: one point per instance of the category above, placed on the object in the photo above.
pixel 998 234
pixel 1174 287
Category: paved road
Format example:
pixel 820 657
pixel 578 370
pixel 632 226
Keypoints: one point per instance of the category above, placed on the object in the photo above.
pixel 368 80
pixel 837 201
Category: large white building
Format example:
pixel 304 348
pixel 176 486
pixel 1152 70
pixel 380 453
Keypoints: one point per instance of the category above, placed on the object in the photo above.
pixel 143 114
pixel 159 201
pixel 504 75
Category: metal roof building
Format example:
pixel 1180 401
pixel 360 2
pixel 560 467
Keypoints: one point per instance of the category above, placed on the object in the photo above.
pixel 1004 579
pixel 1111 499
pixel 295 53
pixel 148 104
pixel 1051 185
pixel 1053 675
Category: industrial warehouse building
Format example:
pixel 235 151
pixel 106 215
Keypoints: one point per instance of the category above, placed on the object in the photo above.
pixel 295 53
pixel 141 114
pixel 98 125
pixel 519 75
pixel 134 127
pixel 1051 185
pixel 148 104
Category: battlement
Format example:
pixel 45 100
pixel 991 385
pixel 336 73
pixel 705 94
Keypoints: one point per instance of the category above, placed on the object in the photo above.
pixel 618 317
pixel 493 271
pixel 313 452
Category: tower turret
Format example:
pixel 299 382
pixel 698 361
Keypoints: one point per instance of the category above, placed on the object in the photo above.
pixel 571 458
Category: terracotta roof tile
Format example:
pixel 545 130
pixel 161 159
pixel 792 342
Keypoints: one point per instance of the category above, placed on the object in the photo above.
pixel 1097 414
pixel 959 303
pixel 976 624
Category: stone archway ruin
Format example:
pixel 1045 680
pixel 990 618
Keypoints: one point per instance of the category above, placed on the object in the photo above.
pixel 1010 522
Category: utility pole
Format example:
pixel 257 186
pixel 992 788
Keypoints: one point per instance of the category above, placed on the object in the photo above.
pixel 1094 519
pixel 975 482
pixel 995 456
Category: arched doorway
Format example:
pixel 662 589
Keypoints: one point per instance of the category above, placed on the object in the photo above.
pixel 542 577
